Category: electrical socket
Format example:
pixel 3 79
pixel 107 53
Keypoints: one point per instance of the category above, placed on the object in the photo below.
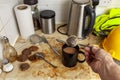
pixel 105 2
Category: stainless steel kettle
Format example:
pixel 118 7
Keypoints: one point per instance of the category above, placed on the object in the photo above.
pixel 81 18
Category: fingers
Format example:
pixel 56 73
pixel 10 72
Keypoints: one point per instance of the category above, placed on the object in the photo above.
pixel 95 49
pixel 97 52
pixel 89 47
pixel 97 57
pixel 87 51
pixel 90 53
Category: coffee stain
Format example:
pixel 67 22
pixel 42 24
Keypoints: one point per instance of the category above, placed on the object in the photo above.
pixel 41 69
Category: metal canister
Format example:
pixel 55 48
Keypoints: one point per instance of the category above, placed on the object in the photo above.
pixel 47 21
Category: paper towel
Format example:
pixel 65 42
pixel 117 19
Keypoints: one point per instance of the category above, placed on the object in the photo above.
pixel 24 19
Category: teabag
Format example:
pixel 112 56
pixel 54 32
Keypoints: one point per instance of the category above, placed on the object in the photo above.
pixel 71 41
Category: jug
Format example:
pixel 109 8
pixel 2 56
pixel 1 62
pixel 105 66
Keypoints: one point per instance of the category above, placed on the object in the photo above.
pixel 81 18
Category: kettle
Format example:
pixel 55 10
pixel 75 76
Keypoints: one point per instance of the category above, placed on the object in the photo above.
pixel 81 18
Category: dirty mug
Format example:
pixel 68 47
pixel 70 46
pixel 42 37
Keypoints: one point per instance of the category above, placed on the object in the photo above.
pixel 70 55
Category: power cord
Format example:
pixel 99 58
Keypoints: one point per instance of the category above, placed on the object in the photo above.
pixel 61 26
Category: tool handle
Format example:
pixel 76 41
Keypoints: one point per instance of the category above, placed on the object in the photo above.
pixel 54 50
pixel 91 52
pixel 49 63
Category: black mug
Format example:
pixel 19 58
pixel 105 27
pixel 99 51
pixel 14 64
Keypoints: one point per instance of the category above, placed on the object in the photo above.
pixel 70 55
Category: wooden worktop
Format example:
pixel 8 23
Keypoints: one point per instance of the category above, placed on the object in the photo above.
pixel 40 70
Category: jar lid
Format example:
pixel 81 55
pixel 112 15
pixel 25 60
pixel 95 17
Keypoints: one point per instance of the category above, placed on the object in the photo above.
pixel 8 67
pixel 47 14
pixel 5 39
pixel 81 1
pixel 30 2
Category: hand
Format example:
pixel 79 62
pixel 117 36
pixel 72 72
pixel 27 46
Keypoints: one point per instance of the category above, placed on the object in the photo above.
pixel 101 58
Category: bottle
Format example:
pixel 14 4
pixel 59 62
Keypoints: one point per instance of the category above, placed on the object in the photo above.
pixel 35 12
pixel 9 52
pixel 1 66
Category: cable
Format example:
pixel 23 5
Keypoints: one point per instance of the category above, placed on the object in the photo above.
pixel 58 29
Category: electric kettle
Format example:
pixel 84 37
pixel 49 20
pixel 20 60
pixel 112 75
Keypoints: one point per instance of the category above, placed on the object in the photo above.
pixel 81 18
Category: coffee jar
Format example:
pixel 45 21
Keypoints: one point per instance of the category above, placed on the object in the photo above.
pixel 47 18
pixel 35 12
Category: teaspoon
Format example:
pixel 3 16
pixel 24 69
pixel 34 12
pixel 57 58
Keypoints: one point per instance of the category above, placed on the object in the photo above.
pixel 38 54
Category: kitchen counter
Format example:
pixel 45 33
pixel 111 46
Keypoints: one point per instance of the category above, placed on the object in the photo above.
pixel 40 70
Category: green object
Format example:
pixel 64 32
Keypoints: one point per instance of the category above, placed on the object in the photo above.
pixel 106 22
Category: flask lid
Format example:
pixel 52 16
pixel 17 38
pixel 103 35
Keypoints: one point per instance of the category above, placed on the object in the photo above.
pixel 30 2
pixel 81 1
pixel 47 14
pixel 5 39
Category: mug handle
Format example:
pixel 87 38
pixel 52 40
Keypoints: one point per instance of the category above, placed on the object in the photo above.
pixel 81 61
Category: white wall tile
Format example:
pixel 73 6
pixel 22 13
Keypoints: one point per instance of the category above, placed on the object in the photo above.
pixel 8 19
pixel 6 9
pixel 11 30
pixel 100 10
pixel 61 8
pixel 4 15
pixel 7 22
pixel 116 2
pixel 20 1
pixel 1 25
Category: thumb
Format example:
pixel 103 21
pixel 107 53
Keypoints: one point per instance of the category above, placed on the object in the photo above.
pixel 95 49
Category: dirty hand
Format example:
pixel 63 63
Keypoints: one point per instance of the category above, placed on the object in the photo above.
pixel 102 63
pixel 98 59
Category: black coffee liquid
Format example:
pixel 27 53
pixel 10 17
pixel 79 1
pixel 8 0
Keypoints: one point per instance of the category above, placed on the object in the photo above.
pixel 70 50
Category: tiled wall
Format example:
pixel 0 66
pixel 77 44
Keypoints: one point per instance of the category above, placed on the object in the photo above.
pixel 61 7
pixel 8 25
pixel 103 9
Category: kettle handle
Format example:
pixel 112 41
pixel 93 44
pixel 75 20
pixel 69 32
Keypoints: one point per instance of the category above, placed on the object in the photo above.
pixel 91 13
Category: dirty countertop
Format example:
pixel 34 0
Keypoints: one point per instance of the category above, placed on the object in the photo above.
pixel 40 70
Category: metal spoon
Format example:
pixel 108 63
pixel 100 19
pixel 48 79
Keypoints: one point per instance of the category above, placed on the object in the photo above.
pixel 45 41
pixel 70 41
pixel 43 57
pixel 61 41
